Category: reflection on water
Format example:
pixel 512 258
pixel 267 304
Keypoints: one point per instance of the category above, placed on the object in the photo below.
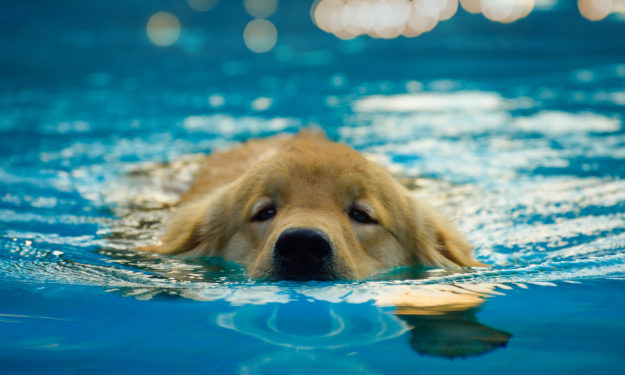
pixel 438 320
pixel 320 325
pixel 313 325
pixel 453 334
pixel 284 360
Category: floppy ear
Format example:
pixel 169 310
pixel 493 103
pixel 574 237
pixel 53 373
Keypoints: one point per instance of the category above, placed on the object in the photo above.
pixel 436 242
pixel 200 226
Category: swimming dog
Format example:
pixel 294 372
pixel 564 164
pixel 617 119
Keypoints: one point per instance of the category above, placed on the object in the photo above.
pixel 301 207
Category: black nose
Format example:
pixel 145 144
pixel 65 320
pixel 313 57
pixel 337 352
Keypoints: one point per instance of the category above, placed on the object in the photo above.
pixel 303 254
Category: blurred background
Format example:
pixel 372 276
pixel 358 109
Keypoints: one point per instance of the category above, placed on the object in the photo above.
pixel 130 67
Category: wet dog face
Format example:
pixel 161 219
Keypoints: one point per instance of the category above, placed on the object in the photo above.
pixel 319 212
pixel 315 211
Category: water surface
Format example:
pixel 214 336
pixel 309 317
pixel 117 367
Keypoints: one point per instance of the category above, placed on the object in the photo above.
pixel 514 131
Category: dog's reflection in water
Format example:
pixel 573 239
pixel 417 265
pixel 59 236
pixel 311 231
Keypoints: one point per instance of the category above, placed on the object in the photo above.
pixel 322 325
pixel 453 334
pixel 440 320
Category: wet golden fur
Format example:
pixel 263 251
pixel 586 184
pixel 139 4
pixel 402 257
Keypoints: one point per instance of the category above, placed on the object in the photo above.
pixel 313 183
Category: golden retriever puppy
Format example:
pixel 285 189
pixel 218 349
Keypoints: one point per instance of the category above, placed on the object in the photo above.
pixel 305 208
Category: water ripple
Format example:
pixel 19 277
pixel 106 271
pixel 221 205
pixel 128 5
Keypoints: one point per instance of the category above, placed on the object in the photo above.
pixel 539 192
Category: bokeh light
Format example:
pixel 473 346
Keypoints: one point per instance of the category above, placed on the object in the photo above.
pixel 202 5
pixel 216 101
pixel 163 29
pixel 380 18
pixel 260 35
pixel 506 11
pixel 618 6
pixel 260 8
pixel 262 104
pixel 448 9
pixel 595 10
pixel 471 6
pixel 348 19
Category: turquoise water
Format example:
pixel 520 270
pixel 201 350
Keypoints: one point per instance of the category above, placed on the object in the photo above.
pixel 514 131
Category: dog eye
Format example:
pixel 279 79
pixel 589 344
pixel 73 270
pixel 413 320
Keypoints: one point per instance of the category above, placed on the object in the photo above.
pixel 361 216
pixel 265 214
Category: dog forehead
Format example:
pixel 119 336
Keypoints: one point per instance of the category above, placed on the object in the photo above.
pixel 323 168
pixel 316 162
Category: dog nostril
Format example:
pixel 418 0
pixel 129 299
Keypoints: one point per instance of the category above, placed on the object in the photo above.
pixel 303 247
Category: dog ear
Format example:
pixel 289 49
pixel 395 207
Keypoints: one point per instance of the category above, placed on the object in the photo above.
pixel 435 241
pixel 452 244
pixel 199 226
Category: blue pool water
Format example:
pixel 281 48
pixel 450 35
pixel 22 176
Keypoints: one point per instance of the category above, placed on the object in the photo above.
pixel 514 131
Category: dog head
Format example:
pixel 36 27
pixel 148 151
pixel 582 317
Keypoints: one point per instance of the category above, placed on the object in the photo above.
pixel 315 210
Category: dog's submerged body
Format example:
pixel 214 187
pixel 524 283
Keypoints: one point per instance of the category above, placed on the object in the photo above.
pixel 302 207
